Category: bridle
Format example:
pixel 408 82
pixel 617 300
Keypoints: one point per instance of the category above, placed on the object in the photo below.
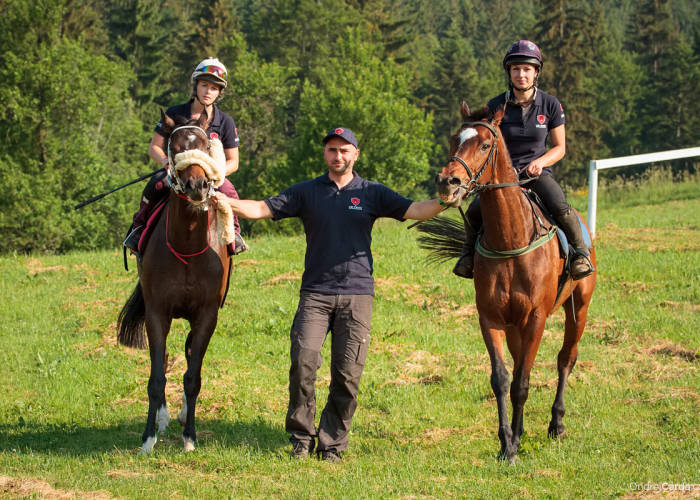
pixel 173 178
pixel 179 189
pixel 472 186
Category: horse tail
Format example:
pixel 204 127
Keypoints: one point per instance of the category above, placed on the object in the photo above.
pixel 130 323
pixel 444 238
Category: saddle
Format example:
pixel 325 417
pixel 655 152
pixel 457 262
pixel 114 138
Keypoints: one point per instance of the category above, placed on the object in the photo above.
pixel 566 250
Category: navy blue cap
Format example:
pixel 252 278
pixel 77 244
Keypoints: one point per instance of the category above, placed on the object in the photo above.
pixel 343 133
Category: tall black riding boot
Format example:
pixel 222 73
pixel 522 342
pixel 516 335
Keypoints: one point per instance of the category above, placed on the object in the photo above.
pixel 464 268
pixel 581 265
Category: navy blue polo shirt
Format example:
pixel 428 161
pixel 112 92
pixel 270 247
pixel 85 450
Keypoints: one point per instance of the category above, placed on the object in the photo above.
pixel 338 225
pixel 526 139
pixel 221 124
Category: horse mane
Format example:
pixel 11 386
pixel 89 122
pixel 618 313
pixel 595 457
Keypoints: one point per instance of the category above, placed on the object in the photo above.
pixel 480 114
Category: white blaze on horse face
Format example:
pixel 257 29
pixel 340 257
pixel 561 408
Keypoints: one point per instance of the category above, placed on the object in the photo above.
pixel 467 134
pixel 191 137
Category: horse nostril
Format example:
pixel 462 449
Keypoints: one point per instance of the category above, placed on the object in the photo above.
pixel 455 181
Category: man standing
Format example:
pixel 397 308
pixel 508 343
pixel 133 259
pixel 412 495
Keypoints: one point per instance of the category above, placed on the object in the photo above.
pixel 338 210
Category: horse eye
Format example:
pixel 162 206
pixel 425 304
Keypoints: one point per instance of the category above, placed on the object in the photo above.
pixel 485 146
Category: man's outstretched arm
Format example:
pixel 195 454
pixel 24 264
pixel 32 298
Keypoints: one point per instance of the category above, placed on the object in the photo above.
pixel 421 210
pixel 248 209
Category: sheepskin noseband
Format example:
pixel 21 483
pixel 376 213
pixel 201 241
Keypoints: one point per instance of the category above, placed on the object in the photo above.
pixel 213 163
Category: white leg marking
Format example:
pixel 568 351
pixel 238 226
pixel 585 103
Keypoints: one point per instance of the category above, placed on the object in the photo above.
pixel 189 444
pixel 182 416
pixel 147 446
pixel 163 418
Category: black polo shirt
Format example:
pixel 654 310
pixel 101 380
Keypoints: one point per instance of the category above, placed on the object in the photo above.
pixel 526 138
pixel 221 124
pixel 338 225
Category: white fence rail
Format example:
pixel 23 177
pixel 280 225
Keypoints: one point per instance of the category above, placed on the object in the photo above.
pixel 620 162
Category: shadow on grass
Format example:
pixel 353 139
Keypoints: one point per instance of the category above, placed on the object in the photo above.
pixel 68 439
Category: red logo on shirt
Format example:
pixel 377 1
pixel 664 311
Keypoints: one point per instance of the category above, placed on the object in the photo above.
pixel 355 201
pixel 541 119
pixel 213 135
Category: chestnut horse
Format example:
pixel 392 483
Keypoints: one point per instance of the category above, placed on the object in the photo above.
pixel 516 280
pixel 183 273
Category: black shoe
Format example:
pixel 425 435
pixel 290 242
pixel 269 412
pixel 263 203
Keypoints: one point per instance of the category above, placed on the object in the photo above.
pixel 464 268
pixel 132 239
pixel 301 449
pixel 581 266
pixel 331 456
pixel 239 245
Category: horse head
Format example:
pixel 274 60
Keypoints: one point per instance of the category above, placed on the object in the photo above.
pixel 188 135
pixel 472 149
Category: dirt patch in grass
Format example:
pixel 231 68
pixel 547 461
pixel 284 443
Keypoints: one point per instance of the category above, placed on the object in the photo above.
pixel 419 367
pixel 127 474
pixel 438 434
pixel 394 289
pixel 34 267
pixel 651 239
pixel 684 306
pixel 283 278
pixel 29 487
pixel 670 349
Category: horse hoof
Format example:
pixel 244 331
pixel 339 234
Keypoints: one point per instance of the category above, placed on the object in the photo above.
pixel 514 460
pixel 163 419
pixel 147 446
pixel 189 444
pixel 556 432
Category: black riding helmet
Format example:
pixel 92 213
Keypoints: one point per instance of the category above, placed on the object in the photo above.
pixel 524 52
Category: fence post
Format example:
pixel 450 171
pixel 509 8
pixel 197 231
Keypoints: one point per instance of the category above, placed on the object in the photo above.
pixel 592 196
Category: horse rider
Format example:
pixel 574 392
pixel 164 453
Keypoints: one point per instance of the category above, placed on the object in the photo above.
pixel 338 210
pixel 531 115
pixel 208 82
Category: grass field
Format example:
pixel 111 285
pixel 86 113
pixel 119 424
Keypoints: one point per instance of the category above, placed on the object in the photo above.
pixel 426 426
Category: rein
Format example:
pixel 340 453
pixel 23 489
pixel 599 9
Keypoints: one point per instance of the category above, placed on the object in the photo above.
pixel 182 256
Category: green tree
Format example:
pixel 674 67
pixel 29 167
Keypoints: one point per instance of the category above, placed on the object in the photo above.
pixel 571 39
pixel 69 132
pixel 359 89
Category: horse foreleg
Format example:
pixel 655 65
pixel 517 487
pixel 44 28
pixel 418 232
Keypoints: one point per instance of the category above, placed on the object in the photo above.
pixel 493 338
pixel 195 348
pixel 529 340
pixel 566 360
pixel 157 409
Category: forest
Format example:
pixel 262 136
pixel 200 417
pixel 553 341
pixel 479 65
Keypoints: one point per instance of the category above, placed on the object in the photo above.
pixel 82 84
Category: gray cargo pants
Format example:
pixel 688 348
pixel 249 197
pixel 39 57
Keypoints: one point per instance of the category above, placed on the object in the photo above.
pixel 348 318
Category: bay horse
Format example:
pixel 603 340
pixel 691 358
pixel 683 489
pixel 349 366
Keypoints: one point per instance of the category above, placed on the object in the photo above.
pixel 517 277
pixel 183 273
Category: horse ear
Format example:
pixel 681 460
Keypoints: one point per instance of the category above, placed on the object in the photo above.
pixel 497 116
pixel 203 121
pixel 465 110
pixel 166 122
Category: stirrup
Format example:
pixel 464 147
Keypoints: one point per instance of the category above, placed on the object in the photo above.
pixel 132 239
pixel 584 260
pixel 239 245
